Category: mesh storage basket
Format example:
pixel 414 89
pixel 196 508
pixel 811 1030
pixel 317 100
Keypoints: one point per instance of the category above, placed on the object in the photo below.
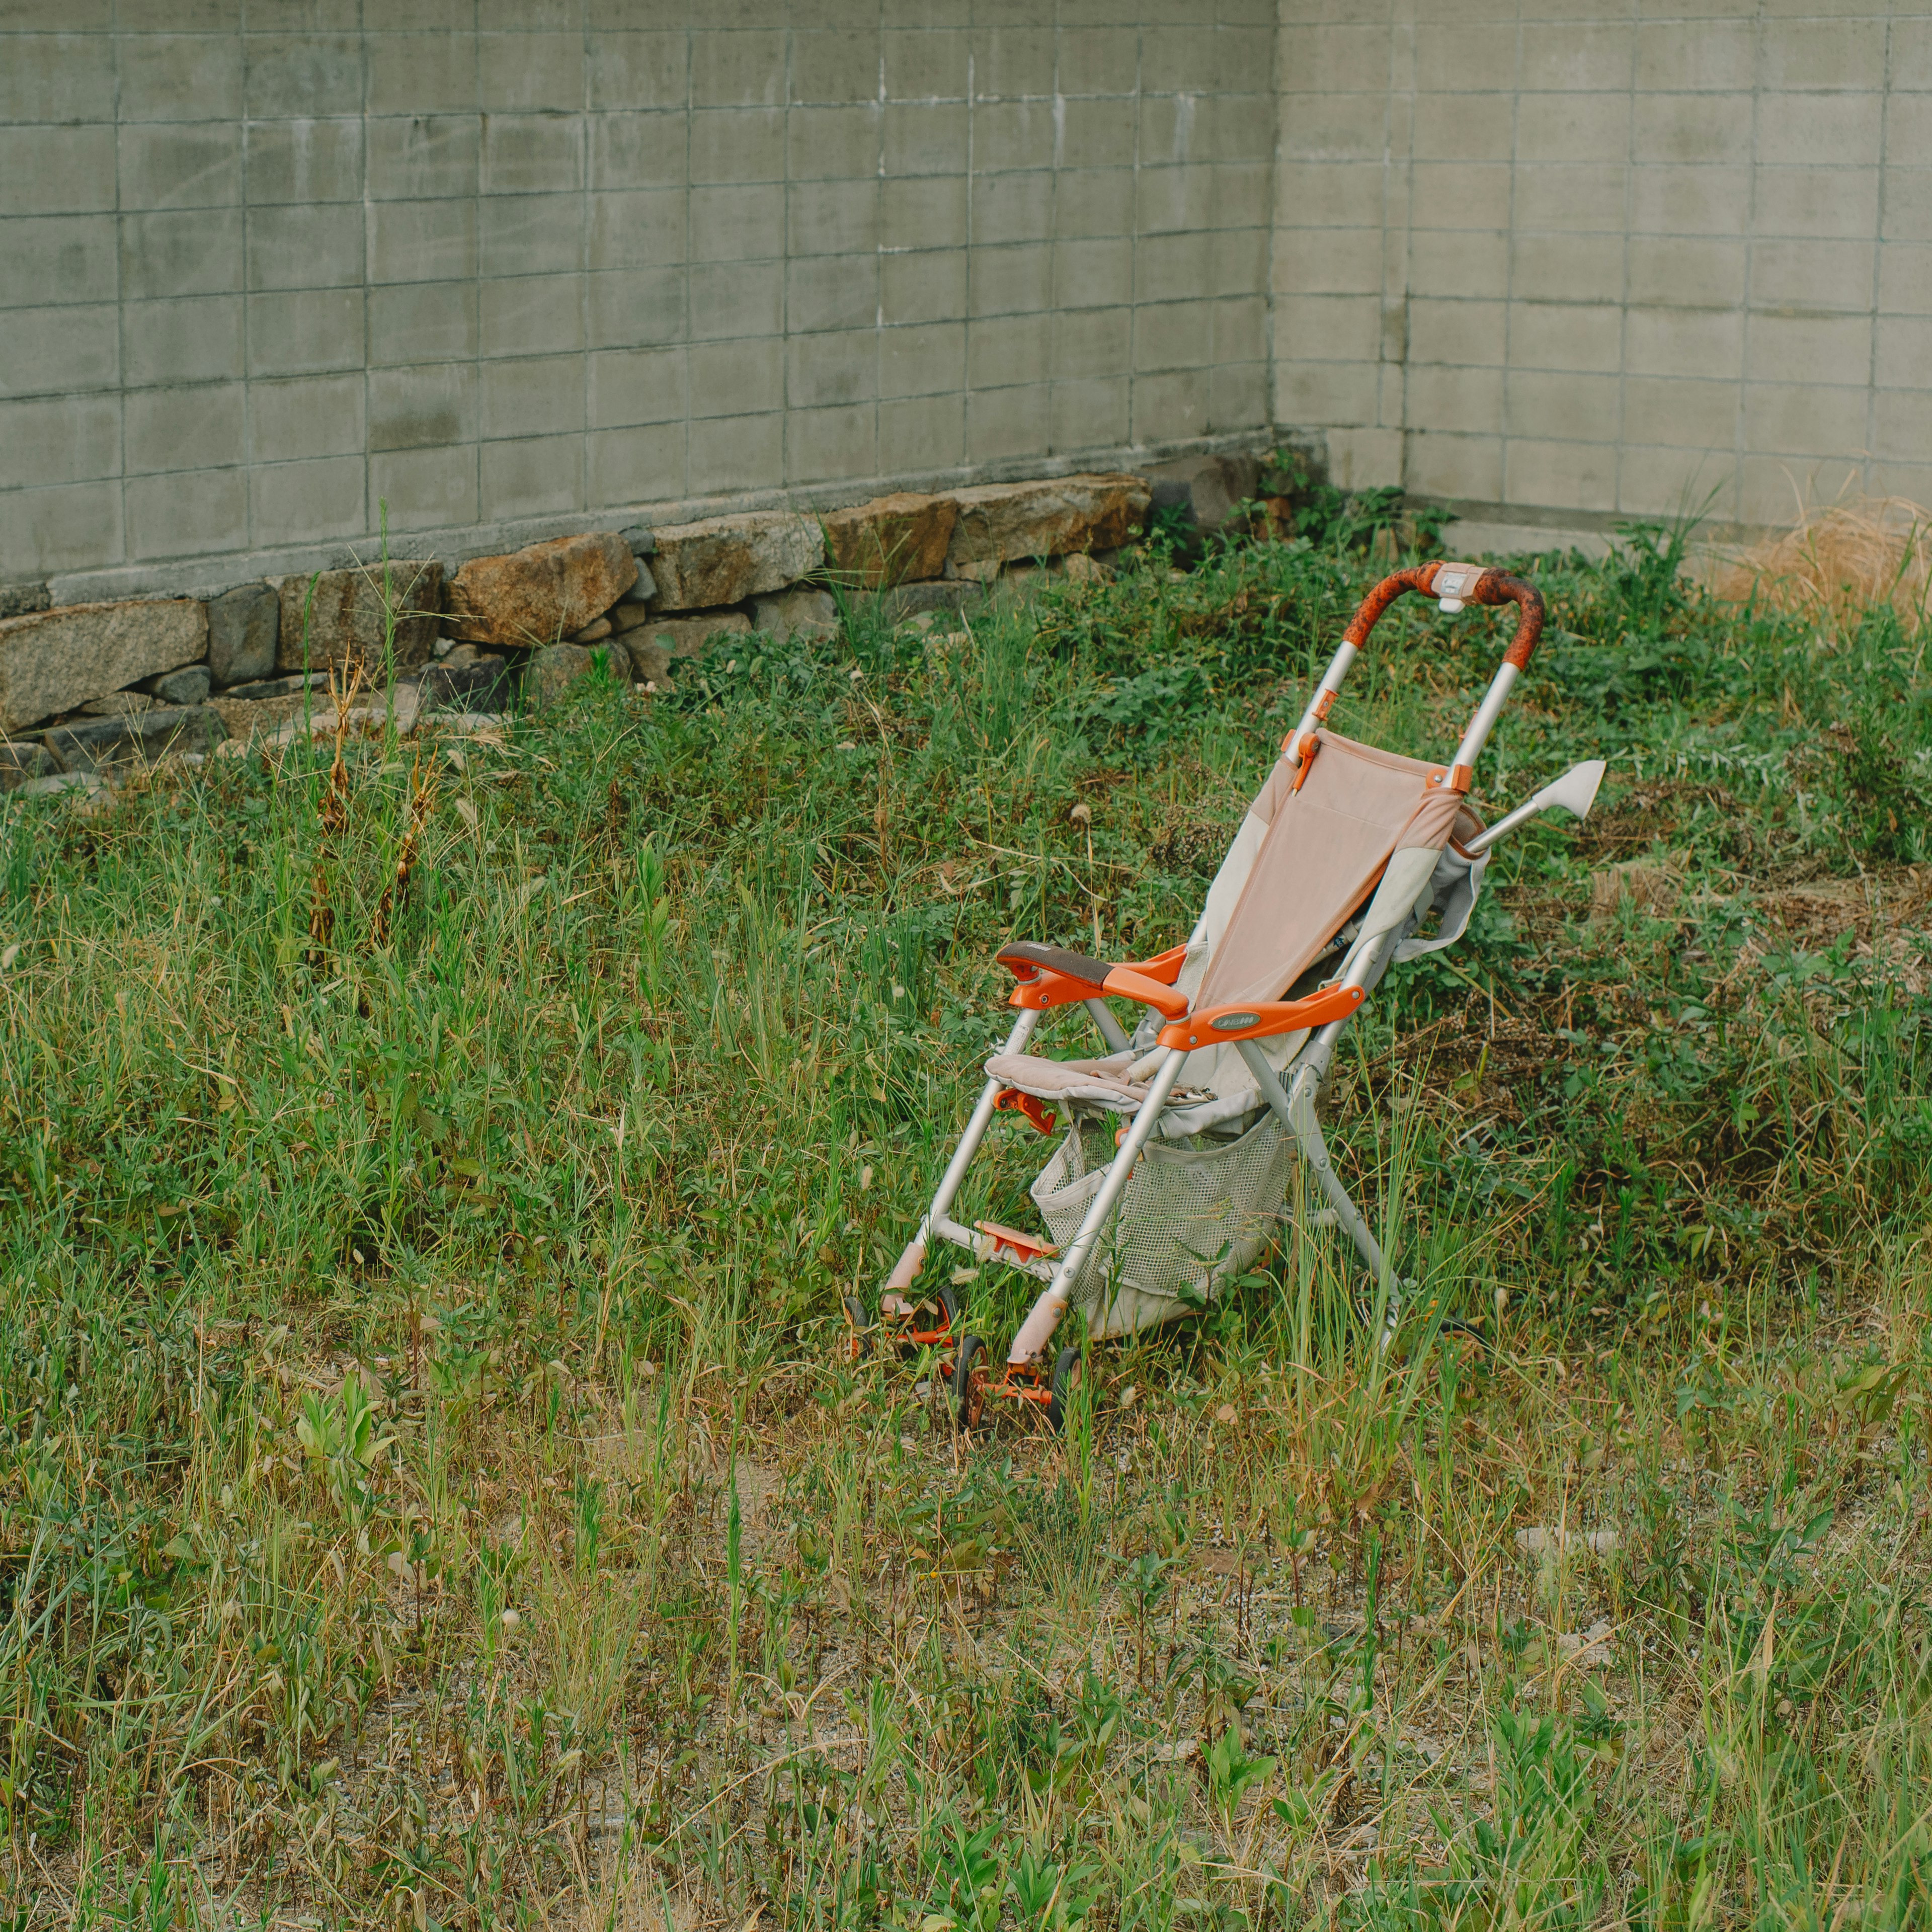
pixel 1191 1216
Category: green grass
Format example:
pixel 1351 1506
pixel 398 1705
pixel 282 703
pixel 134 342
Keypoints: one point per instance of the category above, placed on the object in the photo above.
pixel 432 1491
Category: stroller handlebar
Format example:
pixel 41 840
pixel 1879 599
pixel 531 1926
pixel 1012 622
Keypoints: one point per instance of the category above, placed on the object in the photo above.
pixel 1457 584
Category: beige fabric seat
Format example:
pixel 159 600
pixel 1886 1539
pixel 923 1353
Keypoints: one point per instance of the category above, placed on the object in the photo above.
pixel 1099 1083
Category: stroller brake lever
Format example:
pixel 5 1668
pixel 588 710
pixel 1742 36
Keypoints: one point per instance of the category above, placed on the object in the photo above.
pixel 1575 791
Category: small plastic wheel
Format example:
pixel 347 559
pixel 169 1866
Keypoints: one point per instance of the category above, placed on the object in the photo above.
pixel 969 1382
pixel 1070 1371
pixel 858 1341
pixel 949 1312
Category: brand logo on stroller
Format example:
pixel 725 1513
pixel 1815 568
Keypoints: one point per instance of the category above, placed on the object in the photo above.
pixel 1233 1022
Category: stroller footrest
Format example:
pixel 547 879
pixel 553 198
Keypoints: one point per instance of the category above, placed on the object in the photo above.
pixel 977 1245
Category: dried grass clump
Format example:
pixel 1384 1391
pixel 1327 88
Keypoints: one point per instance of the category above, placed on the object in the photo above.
pixel 1838 562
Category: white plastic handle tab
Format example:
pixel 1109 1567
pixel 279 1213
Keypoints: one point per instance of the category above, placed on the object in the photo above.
pixel 1575 791
pixel 1453 583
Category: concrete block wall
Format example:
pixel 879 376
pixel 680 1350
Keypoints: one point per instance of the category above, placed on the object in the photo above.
pixel 265 264
pixel 1562 260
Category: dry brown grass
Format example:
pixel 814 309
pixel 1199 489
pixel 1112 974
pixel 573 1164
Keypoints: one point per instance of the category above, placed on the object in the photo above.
pixel 1837 563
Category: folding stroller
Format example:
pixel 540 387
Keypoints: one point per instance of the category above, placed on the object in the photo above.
pixel 1343 855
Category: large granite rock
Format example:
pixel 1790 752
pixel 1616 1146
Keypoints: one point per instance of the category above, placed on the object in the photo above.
pixel 469 680
pixel 1006 523
pixel 348 617
pixel 534 596
pixel 553 669
pixel 243 626
pixel 684 637
pixel 140 737
pixel 802 612
pixel 55 661
pixel 726 559
pixel 895 539
pixel 1205 490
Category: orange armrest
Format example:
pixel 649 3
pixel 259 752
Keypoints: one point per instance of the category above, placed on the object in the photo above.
pixel 1213 1026
pixel 1049 976
pixel 1130 983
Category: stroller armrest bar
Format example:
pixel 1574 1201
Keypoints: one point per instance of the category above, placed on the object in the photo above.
pixel 1049 976
pixel 1489 587
pixel 1212 1025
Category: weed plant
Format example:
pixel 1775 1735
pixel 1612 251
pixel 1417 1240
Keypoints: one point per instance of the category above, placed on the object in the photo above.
pixel 433 1488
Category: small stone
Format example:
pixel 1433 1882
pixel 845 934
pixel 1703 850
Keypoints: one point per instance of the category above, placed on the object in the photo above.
pixel 594 633
pixel 650 662
pixel 643 542
pixel 348 618
pixel 685 637
pixel 22 760
pixel 55 661
pixel 143 737
pixel 188 685
pixel 243 626
pixel 20 600
pixel 469 680
pixel 627 614
pixel 891 540
pixel 118 704
pixel 278 687
pixel 42 787
pixel 727 559
pixel 553 669
pixel 1079 568
pixel 909 599
pixel 797 613
pixel 546 592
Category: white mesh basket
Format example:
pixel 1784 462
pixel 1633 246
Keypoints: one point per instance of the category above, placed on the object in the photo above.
pixel 1190 1217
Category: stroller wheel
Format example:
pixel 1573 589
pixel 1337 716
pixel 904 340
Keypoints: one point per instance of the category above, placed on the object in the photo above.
pixel 969 1381
pixel 1069 1371
pixel 858 1343
pixel 913 1333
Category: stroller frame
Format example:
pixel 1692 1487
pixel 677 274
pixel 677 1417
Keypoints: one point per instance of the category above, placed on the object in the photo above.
pixel 1048 976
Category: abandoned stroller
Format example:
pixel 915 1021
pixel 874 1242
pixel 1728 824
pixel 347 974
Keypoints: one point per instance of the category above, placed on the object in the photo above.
pixel 1342 859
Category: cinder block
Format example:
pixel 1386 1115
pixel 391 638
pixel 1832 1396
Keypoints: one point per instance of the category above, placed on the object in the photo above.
pixel 1308 395
pixel 832 217
pixel 423 155
pixel 1905 279
pixel 170 76
pixel 1013 207
pixel 1002 425
pixel 296 76
pixel 830 67
pixel 1348 328
pixel 1098 133
pixel 1457 56
pixel 1329 128
pixel 1171 267
pixel 1238 396
pixel 305 333
pixel 1333 57
pixel 181 252
pixel 1012 61
pixel 1172 407
pixel 926 63
pixel 1908 129
pixel 1567 268
pixel 1438 397
pixel 650 67
pixel 412 73
pixel 1773 489
pixel 306 416
pixel 1471 332
pixel 637 465
pixel 1551 408
pixel 422 240
pixel 644 229
pixel 633 150
pixel 629 387
pixel 921 434
pixel 737 224
pixel 1240 329
pixel 1807 419
pixel 1011 281
pixel 1465 263
pixel 729 145
pixel 76 527
pixel 638 307
pixel 1175 199
pixel 1809 55
pixel 1462 127
pixel 187 513
pixel 1365 459
pixel 532 154
pixel 425 489
pixel 1573 127
pixel 1579 336
pixel 1904 352
pixel 839 292
pixel 1092 414
pixel 1685 342
pixel 920 140
pixel 1671 482
pixel 422 323
pixel 737 69
pixel 1562 196
pixel 1902 426
pixel 1821 130
pixel 1332 194
pixel 304 161
pixel 1095 274
pixel 180 164
pixel 1812 274
pixel 531 395
pixel 921 359
pixel 1691 129
pixel 46 351
pixel 1099 60
pixel 197 428
pixel 423 407
pixel 1330 261
pixel 1690 200
pixel 1460 194
pixel 1680 55
pixel 1566 474
pixel 63 440
pixel 830 444
pixel 832 369
pixel 532 73
pixel 1239 260
pixel 722 451
pixel 55 170
pixel 1573 56
pixel 1240 128
pixel 1682 412
pixel 843 143
pixel 306 246
pixel 736 379
pixel 532 478
pixel 922 211
pixel 537 234
pixel 1685 271
pixel 1808 349
pixel 1012 135
pixel 301 503
pixel 1006 349
pixel 736 298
